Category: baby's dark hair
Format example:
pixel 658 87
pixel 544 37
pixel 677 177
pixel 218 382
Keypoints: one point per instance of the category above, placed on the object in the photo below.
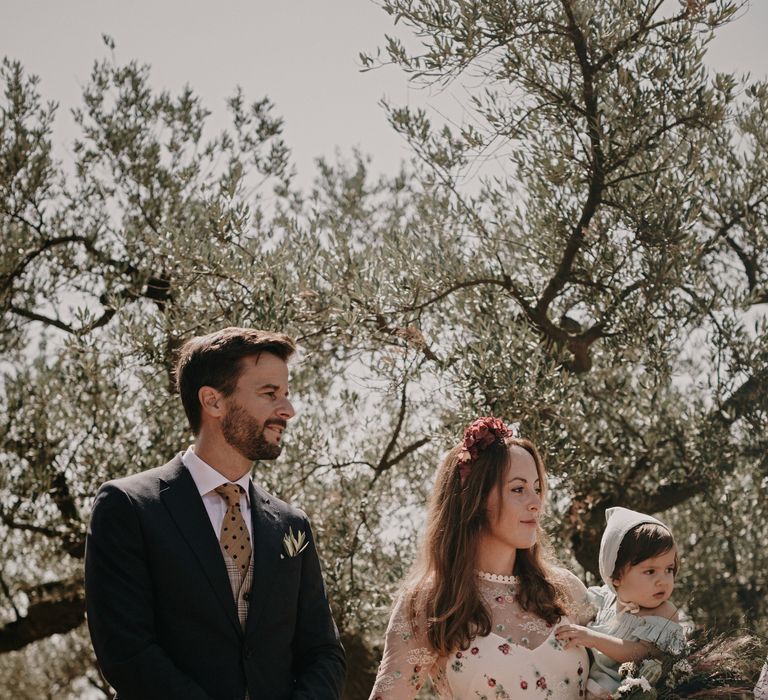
pixel 643 542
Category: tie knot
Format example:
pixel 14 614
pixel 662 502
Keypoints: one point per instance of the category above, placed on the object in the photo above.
pixel 230 493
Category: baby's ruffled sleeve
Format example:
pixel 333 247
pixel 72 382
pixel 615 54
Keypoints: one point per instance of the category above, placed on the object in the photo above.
pixel 667 635
pixel 596 596
pixel 408 659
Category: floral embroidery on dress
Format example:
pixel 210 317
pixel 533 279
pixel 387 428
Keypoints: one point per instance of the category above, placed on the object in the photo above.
pixel 583 611
pixel 457 665
pixel 402 627
pixel 541 684
pixel 535 625
pixel 498 692
pixel 422 656
pixel 491 667
pixel 504 597
pixel 385 683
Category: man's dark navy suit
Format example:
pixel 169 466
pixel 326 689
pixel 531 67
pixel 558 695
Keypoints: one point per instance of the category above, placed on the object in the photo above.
pixel 160 606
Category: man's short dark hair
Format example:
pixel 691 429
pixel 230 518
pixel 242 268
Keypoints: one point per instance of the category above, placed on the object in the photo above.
pixel 215 360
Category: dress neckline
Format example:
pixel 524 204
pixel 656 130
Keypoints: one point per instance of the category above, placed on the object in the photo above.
pixel 496 578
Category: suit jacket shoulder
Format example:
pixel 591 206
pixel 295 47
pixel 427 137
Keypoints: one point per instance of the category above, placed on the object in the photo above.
pixel 146 484
pixel 284 509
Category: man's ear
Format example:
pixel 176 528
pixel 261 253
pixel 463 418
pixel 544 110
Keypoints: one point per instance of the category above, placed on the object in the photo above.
pixel 211 401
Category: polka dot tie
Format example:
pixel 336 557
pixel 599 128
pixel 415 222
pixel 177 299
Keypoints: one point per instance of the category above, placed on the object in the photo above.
pixel 234 536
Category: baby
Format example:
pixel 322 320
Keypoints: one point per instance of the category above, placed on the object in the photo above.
pixel 635 618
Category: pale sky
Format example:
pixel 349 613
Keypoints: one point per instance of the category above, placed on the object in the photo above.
pixel 302 54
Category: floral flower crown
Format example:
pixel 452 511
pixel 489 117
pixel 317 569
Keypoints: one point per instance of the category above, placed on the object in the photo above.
pixel 480 434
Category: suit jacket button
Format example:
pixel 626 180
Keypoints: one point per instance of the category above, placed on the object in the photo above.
pixel 246 596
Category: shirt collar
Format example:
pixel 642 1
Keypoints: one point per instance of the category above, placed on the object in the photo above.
pixel 206 478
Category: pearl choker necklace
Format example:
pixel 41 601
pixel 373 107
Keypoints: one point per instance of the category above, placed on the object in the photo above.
pixel 496 578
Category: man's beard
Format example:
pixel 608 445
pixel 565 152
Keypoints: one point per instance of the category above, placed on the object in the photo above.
pixel 246 435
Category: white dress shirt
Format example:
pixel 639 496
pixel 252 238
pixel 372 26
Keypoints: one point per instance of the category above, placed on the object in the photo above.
pixel 207 479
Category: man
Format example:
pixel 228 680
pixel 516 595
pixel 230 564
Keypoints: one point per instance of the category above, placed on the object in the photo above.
pixel 199 584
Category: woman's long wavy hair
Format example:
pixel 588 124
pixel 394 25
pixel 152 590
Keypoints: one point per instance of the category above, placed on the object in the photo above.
pixel 443 578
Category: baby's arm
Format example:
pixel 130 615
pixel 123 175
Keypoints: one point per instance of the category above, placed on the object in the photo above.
pixel 619 650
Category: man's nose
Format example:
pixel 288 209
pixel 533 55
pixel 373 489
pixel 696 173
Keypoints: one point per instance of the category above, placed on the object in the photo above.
pixel 286 410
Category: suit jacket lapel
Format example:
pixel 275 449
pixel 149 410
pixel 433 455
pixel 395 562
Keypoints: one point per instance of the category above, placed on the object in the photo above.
pixel 182 499
pixel 267 547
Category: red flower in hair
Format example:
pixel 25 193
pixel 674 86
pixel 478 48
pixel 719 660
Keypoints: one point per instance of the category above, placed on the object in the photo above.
pixel 479 435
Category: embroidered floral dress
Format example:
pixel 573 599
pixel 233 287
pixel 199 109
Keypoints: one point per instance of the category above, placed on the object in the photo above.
pixel 667 635
pixel 520 657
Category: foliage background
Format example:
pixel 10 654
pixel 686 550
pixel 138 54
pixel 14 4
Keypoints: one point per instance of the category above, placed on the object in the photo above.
pixel 602 282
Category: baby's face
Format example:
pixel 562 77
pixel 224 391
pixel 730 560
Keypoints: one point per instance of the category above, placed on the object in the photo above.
pixel 648 583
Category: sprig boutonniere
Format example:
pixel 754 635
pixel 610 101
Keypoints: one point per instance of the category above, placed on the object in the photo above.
pixel 293 545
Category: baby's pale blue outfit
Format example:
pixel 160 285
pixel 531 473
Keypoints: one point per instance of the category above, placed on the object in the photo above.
pixel 667 635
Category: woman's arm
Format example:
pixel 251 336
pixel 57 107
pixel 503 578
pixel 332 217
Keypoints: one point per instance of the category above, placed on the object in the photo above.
pixel 408 659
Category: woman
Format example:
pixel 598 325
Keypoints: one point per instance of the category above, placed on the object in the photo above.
pixel 477 615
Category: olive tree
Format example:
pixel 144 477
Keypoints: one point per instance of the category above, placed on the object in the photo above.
pixel 601 284
pixel 605 283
